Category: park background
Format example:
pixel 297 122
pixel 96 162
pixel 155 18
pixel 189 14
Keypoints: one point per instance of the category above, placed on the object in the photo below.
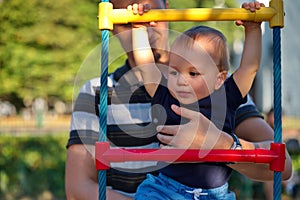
pixel 49 48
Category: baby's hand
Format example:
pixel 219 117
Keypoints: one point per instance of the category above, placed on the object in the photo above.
pixel 252 6
pixel 140 9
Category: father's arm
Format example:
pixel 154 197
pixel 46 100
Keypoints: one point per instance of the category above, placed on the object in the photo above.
pixel 254 131
pixel 81 178
pixel 81 175
pixel 201 133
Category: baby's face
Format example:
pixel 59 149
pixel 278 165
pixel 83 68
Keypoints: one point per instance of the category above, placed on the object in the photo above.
pixel 192 73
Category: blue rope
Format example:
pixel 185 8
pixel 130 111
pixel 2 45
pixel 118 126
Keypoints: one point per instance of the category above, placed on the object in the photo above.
pixel 277 104
pixel 103 107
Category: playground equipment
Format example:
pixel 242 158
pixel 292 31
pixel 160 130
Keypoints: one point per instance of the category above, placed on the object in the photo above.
pixel 108 16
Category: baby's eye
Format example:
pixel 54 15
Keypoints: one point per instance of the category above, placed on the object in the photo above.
pixel 194 73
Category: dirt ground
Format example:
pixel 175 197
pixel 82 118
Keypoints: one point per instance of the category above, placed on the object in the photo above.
pixel 35 126
pixel 59 123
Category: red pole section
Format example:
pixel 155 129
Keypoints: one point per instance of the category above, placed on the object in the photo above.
pixel 105 155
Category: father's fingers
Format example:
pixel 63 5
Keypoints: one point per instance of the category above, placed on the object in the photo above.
pixel 190 114
pixel 170 130
pixel 165 139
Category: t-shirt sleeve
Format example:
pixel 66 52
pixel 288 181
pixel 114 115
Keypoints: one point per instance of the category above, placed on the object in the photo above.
pixel 247 110
pixel 233 94
pixel 84 125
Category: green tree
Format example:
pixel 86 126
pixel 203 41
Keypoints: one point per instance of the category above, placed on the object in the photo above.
pixel 42 44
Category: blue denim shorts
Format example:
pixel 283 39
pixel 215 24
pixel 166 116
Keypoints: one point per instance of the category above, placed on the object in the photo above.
pixel 162 187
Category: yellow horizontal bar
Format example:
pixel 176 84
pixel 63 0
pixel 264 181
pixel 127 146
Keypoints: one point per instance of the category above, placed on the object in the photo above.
pixel 121 16
pixel 109 16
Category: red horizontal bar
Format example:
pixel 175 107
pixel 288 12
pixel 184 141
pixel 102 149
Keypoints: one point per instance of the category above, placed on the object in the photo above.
pixel 275 156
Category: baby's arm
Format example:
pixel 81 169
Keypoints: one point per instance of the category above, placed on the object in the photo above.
pixel 143 55
pixel 245 74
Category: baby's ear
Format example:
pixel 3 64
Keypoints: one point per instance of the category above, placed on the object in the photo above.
pixel 221 77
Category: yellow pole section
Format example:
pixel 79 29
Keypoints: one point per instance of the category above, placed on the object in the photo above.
pixel 278 19
pixel 109 16
pixel 104 13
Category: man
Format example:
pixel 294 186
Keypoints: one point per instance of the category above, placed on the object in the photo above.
pixel 129 125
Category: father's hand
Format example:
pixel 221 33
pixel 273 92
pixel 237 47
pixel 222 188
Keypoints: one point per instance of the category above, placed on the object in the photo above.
pixel 198 133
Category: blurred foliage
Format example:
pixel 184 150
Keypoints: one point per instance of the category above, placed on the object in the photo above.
pixel 247 189
pixel 43 44
pixel 228 28
pixel 31 166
